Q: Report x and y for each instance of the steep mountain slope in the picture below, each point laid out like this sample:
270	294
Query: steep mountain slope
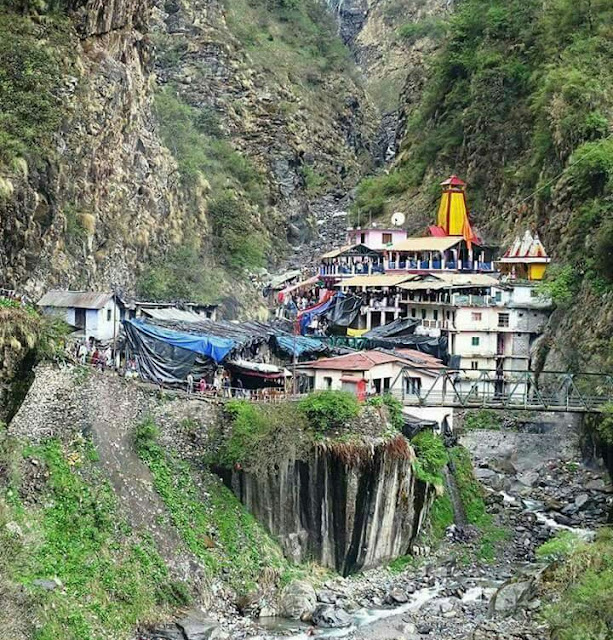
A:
518	101
111	177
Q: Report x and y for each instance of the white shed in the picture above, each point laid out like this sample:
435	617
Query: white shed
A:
95	314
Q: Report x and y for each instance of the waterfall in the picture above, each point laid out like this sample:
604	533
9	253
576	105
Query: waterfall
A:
459	517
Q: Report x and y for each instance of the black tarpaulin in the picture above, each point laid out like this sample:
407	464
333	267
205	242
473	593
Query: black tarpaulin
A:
164	363
343	310
399	327
436	347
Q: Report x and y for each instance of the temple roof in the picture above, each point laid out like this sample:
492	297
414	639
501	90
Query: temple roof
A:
453	181
526	248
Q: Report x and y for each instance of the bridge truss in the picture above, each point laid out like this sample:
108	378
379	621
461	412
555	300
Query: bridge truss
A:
507	389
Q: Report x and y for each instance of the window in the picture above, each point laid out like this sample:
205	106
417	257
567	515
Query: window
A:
435	314
475	341
498	296
474	365
423	314
362	238
412	386
503	319
476	316
387	238
533	293
413	312
328	383
108	315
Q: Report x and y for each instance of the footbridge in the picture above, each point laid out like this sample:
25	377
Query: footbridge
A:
506	389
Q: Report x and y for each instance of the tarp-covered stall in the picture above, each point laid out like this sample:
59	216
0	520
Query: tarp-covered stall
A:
167	356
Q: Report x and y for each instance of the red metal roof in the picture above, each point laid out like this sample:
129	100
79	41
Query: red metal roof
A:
453	181
366	360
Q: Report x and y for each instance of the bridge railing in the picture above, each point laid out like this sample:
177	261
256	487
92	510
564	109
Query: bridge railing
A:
506	388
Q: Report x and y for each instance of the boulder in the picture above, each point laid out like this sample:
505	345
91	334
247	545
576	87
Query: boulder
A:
197	629
396	596
298	600
329	617
511	597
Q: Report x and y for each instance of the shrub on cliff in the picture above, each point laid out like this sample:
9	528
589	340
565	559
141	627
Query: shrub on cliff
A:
431	457
260	435
327	410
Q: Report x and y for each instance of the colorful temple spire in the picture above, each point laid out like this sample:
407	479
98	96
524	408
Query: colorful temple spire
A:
526	257
453	219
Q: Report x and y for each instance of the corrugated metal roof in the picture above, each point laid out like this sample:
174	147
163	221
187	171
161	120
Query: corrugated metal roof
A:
173	314
449	280
381	280
428	243
277	281
75	299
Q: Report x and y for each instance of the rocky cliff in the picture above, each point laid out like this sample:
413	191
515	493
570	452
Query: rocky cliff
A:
345	507
168	125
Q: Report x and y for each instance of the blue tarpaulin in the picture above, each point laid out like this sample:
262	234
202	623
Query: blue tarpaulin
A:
299	344
212	347
308	314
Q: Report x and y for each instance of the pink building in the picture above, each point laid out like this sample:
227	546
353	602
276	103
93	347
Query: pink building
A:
376	239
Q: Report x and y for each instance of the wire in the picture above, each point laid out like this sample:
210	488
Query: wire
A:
552	180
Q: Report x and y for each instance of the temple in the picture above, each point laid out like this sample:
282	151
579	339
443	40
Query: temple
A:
452	244
526	259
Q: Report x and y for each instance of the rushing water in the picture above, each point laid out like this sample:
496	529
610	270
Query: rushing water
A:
360	617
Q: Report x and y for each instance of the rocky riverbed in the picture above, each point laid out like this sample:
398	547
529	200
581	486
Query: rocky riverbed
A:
536	483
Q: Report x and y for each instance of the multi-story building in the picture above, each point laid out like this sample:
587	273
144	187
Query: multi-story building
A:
490	311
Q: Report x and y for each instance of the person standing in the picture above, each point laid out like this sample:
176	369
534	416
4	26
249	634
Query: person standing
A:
190	383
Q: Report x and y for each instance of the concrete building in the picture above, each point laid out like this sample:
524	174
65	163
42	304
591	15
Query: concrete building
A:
375	238
96	315
404	374
349	261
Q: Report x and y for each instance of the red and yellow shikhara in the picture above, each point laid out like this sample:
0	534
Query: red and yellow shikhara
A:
452	219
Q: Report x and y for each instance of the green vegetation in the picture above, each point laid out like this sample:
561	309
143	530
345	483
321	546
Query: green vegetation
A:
520	92
107	577
441	516
326	410
584	578
181	276
604	424
208	163
217	528
482	419
427	28
559	547
431	457
260	435
561	284
398	565
471	495
394	408
30	76
295	42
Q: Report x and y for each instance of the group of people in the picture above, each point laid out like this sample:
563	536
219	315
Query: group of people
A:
220	385
88	352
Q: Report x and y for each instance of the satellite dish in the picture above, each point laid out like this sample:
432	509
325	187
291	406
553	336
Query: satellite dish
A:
398	219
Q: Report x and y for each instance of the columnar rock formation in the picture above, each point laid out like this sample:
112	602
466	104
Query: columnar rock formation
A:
346	508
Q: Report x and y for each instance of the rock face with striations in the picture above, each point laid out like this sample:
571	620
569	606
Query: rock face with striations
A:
346	513
107	196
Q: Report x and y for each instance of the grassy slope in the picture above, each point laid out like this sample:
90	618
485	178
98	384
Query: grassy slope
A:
65	527
579	586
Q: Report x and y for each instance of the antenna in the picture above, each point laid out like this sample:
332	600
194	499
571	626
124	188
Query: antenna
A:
398	219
